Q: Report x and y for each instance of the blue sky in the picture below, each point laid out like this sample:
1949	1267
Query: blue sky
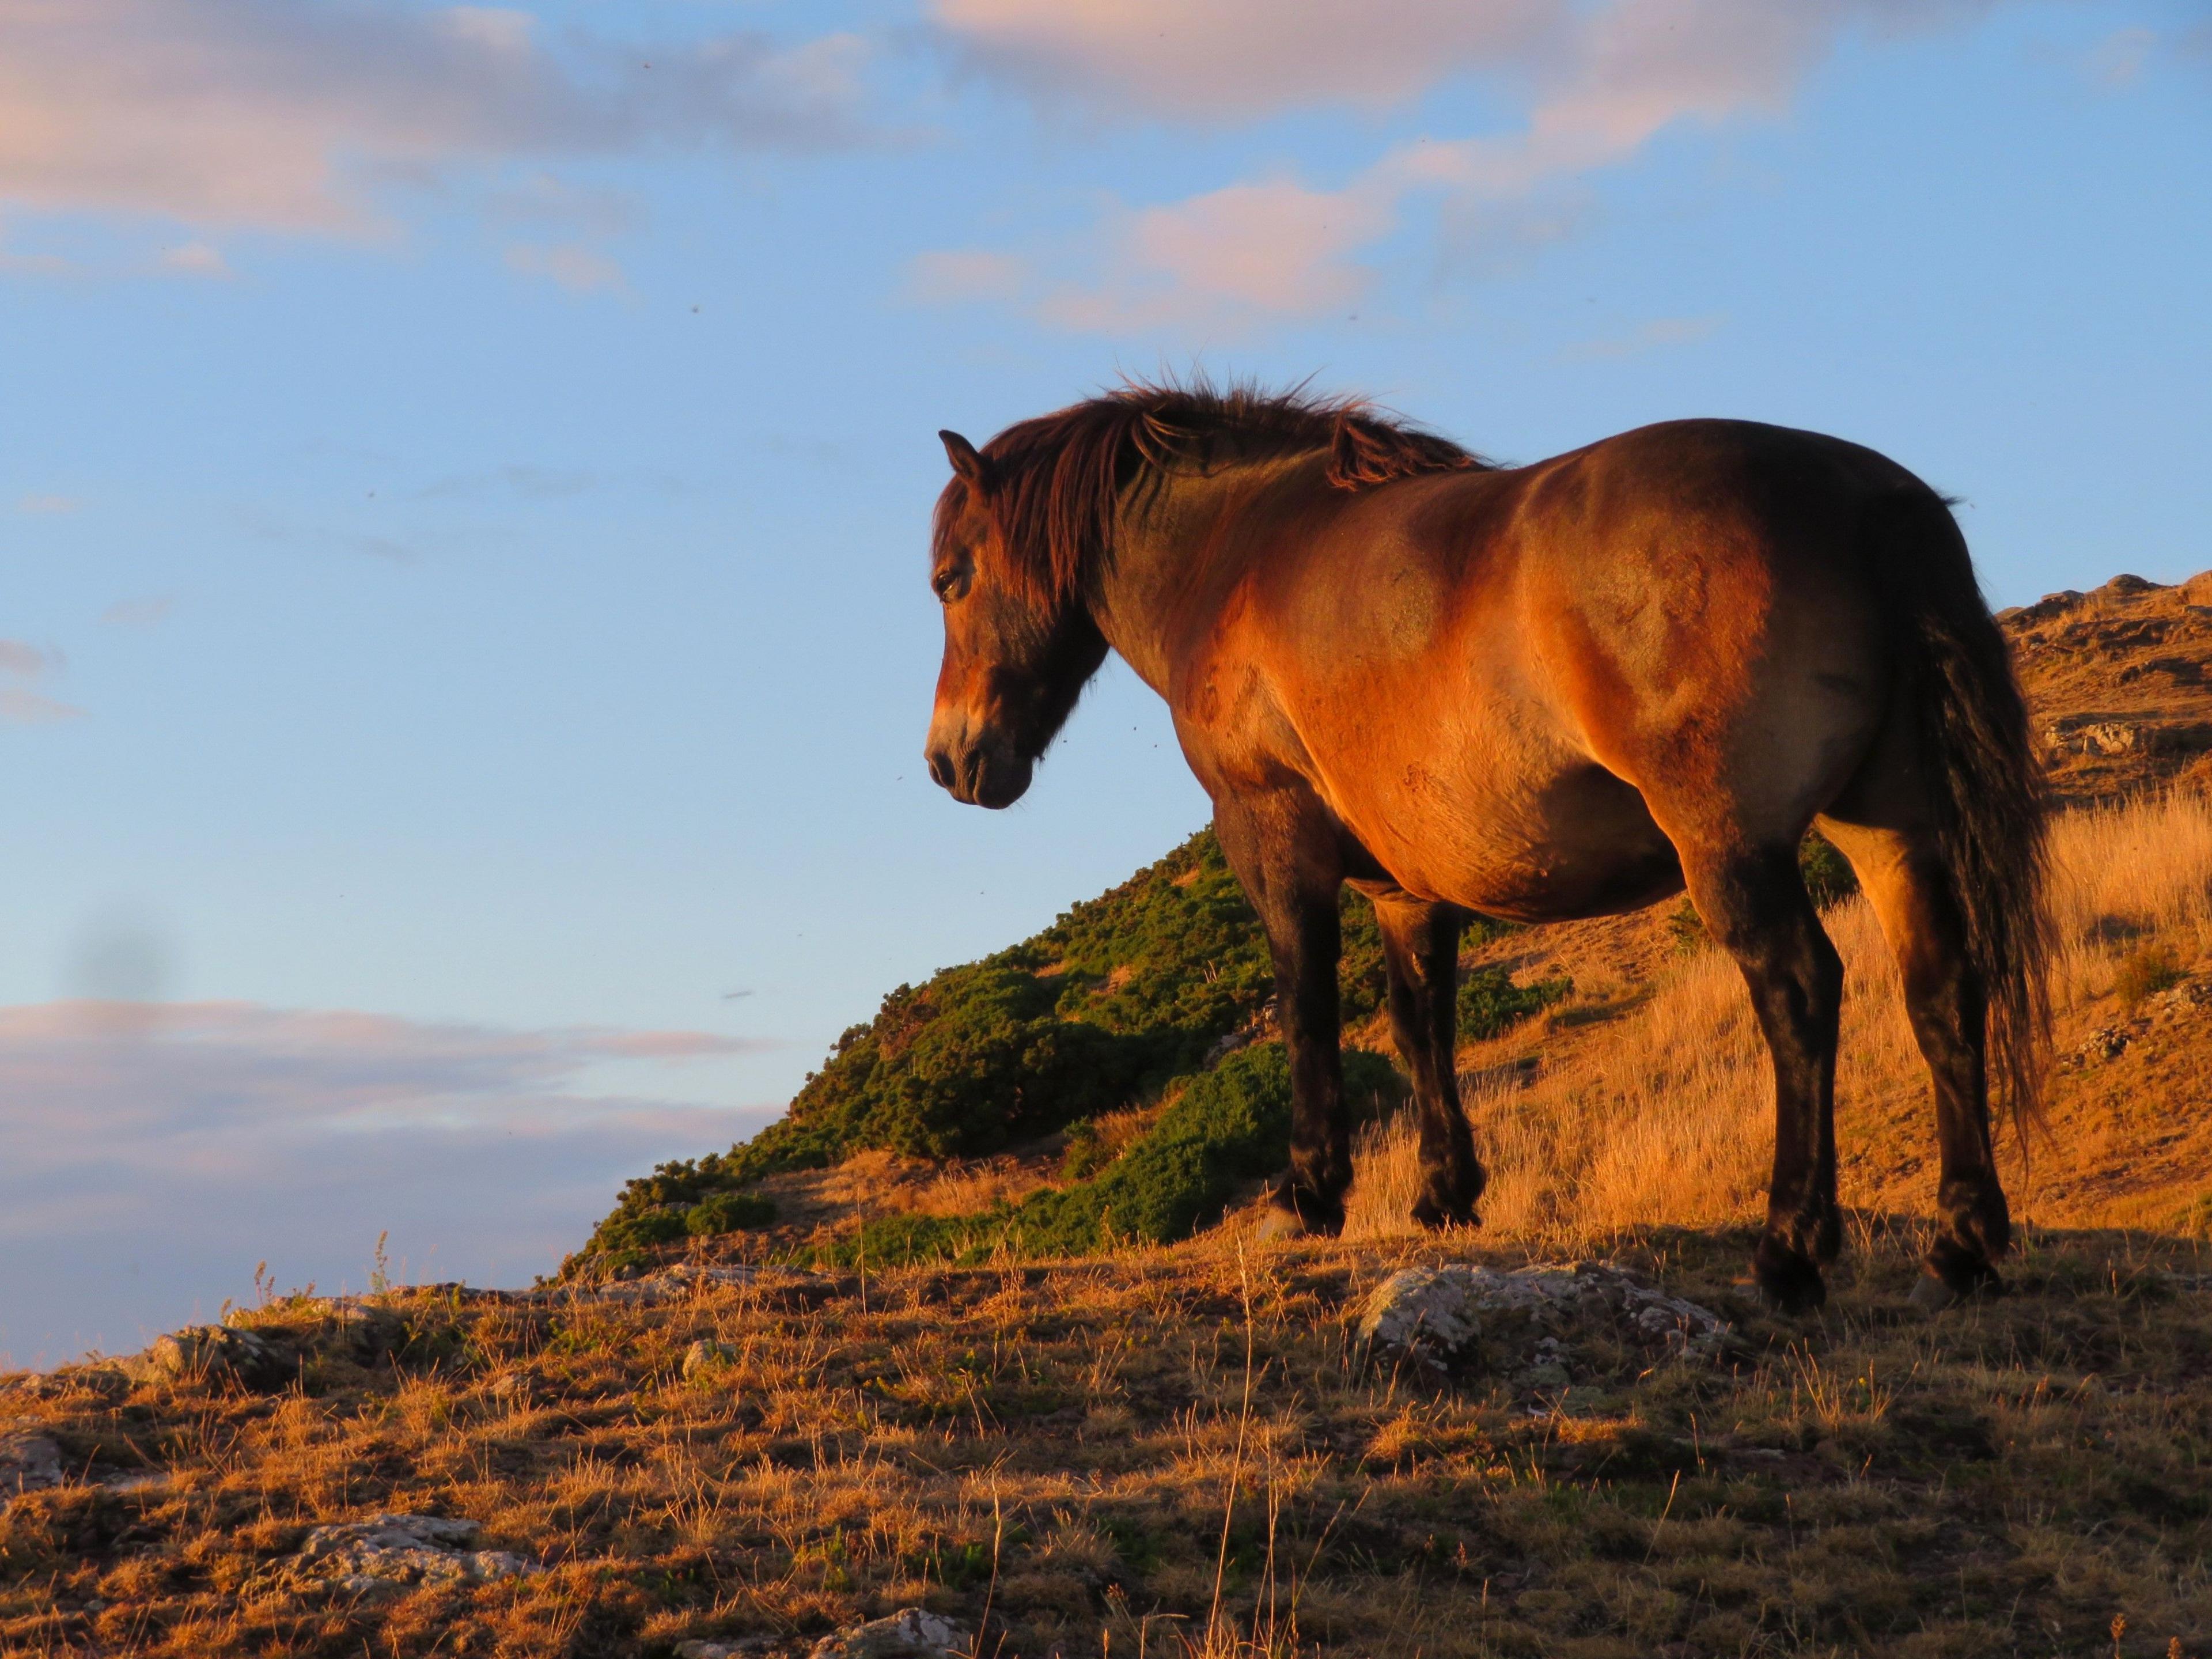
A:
465	473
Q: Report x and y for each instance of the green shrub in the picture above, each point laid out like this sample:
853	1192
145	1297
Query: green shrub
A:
1097	1012
1227	1126
2144	973
1491	1004
728	1213
1829	877
1086	1151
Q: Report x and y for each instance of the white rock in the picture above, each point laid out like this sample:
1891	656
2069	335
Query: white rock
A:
685	1279
391	1554
205	1352
912	1633
30	1460
1434	1317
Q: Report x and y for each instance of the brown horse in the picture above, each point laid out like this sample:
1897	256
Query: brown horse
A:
1539	692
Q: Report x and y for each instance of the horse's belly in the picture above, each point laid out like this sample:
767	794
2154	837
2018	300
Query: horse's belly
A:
1544	844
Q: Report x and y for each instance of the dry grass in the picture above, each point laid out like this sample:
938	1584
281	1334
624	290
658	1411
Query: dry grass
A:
1175	1453
1664	1114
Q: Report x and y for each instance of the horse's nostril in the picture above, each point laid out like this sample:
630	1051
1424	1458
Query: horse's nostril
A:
940	768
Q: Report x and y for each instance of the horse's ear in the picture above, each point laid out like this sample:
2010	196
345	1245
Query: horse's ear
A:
966	460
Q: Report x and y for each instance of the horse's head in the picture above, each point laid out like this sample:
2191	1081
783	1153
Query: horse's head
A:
1017	647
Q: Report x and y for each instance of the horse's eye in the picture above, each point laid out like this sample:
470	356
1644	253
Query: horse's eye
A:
946	584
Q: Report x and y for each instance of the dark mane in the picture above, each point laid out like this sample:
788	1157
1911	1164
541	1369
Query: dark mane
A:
1057	481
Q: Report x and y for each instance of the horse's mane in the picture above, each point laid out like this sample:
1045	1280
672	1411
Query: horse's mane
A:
1057	481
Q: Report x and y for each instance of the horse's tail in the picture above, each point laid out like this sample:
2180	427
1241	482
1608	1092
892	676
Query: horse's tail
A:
1985	780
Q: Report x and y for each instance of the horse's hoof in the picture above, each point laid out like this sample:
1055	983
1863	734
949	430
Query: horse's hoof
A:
1436	1217
1955	1274
1788	1278
1932	1296
1298	1211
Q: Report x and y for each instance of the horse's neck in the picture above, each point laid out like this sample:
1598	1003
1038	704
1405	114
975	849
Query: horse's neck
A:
1144	597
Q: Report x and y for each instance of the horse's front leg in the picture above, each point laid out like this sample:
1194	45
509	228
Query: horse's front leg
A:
1287	853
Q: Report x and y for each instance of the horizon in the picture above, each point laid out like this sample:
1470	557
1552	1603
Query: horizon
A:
467	472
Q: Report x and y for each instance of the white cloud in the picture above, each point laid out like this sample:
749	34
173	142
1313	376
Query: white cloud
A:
151	1154
1268	250
278	115
30	661
1598	84
2119	59
1231	59
29	664
22	706
195	259
1653	336
571	265
140	613
954	275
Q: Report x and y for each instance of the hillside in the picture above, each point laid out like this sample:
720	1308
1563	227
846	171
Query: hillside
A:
1001	1370
995	1078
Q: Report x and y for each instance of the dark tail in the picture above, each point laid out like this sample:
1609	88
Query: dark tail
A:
1985	781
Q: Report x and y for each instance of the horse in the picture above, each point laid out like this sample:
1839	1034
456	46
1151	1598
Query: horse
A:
1542	692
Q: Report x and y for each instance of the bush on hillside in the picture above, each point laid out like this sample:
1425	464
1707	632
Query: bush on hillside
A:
1095	1013
1491	1004
1227	1126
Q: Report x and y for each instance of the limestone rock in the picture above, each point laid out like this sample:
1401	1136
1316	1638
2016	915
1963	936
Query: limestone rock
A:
223	1352
103	1379
1441	1320
364	1331
390	1554
30	1460
913	1633
1426	1314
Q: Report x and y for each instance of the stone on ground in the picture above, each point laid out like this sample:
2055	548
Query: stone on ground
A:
389	1554
1530	1323
913	1633
29	1460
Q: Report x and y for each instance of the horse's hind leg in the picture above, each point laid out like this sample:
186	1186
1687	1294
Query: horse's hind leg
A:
1905	881
1753	902
1420	952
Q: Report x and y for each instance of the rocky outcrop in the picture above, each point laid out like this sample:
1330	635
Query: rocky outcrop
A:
391	1554
915	1633
1536	1327
30	1460
220	1353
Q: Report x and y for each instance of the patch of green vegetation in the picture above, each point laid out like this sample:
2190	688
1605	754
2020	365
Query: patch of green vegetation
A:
728	1213
1227	1126
1491	1004
1098	1012
2144	973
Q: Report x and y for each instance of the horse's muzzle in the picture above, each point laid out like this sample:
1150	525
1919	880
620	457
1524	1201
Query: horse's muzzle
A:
981	775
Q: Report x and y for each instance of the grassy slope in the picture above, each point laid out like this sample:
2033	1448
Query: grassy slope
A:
1123	996
1106	1455
1068	1446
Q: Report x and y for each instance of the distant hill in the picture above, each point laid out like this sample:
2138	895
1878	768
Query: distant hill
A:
1048	1059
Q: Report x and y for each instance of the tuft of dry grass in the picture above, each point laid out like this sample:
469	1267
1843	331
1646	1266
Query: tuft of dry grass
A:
1178	1452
